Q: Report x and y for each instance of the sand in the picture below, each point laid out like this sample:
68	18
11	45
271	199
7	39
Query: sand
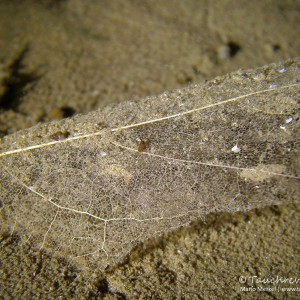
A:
59	58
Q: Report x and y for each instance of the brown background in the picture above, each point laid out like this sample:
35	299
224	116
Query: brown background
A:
59	58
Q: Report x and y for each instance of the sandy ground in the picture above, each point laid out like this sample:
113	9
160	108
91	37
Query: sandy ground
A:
59	58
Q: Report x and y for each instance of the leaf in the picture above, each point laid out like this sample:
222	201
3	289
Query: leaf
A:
91	187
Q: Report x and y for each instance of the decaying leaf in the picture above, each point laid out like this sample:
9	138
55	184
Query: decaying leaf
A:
229	144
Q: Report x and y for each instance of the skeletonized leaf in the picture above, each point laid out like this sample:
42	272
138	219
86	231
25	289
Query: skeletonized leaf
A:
93	186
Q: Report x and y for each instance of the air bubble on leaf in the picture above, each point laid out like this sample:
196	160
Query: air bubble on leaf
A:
283	127
282	70
77	134
236	149
103	154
